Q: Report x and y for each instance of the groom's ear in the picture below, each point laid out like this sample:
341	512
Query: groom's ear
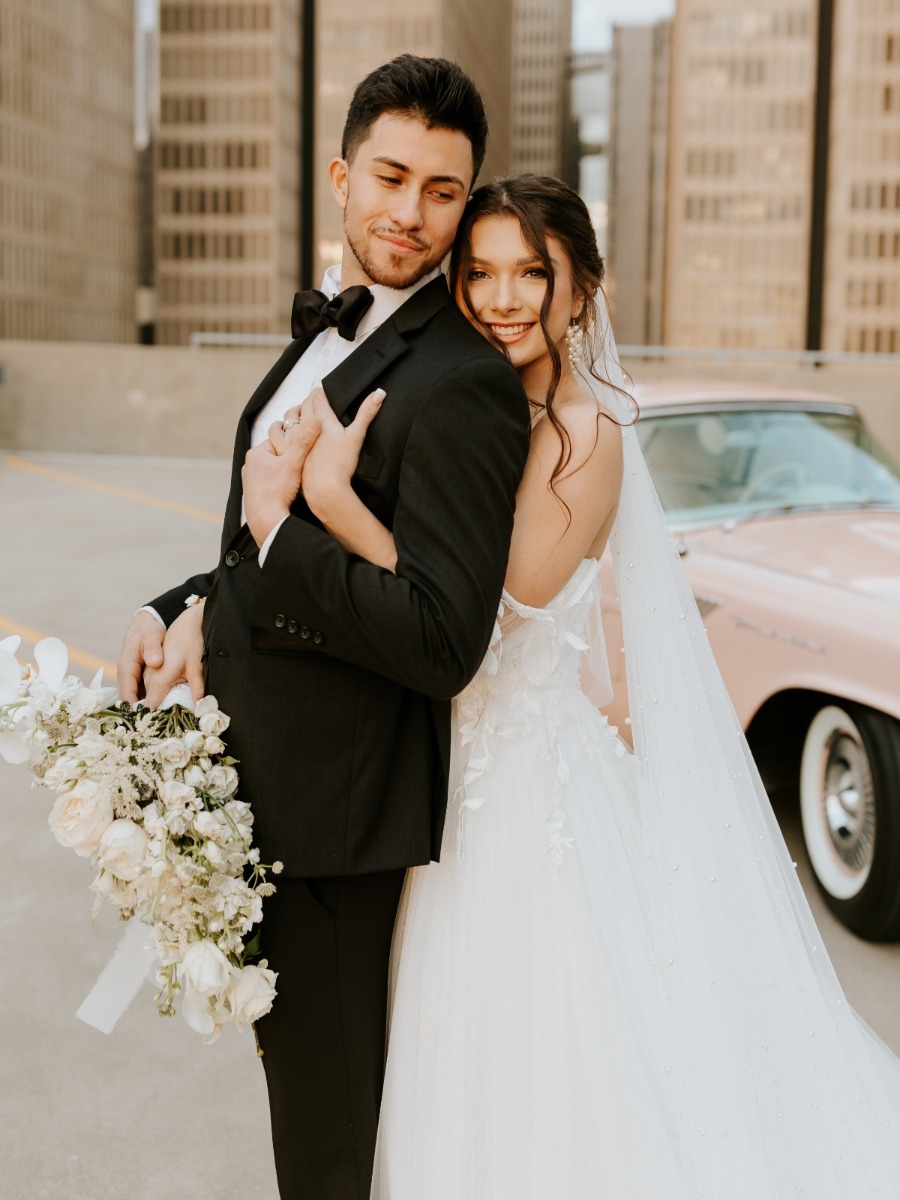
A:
339	175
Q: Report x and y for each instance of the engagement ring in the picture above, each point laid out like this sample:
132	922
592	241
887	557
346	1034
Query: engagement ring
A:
286	425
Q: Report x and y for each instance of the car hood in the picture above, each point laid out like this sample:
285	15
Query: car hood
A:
852	550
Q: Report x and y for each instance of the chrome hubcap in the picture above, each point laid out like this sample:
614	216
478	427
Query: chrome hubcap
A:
848	800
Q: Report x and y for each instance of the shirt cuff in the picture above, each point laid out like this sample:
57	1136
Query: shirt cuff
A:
264	548
153	613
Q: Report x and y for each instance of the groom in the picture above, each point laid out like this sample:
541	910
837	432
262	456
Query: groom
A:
338	674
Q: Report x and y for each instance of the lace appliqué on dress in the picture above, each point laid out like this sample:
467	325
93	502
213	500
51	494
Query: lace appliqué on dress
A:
529	684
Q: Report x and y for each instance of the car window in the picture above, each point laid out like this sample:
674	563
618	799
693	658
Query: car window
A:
712	466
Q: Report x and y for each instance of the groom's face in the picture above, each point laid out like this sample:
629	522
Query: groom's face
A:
403	194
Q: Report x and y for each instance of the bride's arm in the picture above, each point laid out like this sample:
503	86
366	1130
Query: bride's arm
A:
554	529
557	526
327	472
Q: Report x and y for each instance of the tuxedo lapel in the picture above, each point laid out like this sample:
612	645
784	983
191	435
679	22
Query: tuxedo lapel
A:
356	373
264	392
352	378
276	377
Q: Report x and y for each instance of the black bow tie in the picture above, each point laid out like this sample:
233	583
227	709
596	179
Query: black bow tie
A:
313	312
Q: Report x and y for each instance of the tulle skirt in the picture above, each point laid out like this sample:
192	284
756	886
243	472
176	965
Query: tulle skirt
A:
528	1054
522	1059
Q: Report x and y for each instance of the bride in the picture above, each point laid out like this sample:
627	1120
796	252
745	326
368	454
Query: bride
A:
611	984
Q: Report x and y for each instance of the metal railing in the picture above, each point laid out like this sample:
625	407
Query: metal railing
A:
199	339
808	358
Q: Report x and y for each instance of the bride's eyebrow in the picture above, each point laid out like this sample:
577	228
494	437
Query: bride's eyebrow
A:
522	262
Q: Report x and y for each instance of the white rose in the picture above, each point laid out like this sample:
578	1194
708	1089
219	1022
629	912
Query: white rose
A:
214	745
207	704
173	753
214	723
174	794
251	994
64	772
204	969
222	780
195	776
194	741
80	817
208	825
123	849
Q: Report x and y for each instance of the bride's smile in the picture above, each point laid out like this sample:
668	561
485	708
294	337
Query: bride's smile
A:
507	285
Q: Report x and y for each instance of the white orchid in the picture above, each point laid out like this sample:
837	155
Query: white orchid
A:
149	799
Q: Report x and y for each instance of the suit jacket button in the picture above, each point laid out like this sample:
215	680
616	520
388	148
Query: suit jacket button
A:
232	558
279	621
292	626
318	639
304	632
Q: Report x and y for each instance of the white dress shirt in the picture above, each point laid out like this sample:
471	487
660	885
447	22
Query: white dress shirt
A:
327	351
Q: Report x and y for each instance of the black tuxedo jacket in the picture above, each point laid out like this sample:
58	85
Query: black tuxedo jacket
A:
336	673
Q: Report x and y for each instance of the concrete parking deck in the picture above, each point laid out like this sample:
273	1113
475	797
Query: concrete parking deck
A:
149	1112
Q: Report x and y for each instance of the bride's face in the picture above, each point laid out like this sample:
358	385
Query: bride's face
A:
507	284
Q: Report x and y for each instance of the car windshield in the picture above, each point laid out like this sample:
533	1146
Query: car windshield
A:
730	465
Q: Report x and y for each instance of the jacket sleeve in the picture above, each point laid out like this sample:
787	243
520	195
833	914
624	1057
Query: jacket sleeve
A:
171	604
427	626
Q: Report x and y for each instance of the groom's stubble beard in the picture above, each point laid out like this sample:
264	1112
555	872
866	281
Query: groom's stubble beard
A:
403	275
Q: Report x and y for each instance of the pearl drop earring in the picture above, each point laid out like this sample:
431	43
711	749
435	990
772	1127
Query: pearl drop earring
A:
574	344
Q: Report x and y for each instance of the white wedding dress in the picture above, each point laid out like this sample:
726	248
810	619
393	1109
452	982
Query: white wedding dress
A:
539	1047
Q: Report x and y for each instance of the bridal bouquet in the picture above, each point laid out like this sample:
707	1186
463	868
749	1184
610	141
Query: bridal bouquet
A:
149	798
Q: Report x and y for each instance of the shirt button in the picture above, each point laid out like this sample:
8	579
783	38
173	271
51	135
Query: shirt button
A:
279	621
318	639
292	627
304	632
232	558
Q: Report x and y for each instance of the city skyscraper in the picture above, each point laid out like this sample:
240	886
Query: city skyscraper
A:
638	165
541	45
784	179
589	135
740	173
68	171
227	166
861	301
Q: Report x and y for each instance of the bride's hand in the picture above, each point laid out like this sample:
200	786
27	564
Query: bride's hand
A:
333	459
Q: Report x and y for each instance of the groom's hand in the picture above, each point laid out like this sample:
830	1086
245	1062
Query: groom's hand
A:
271	480
332	459
182	658
141	647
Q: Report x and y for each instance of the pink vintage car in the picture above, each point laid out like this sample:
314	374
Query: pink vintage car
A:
787	515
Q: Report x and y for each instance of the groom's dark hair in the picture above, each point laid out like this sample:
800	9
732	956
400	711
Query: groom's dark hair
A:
435	91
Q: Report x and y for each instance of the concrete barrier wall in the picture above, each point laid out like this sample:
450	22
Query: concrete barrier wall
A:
153	400
174	401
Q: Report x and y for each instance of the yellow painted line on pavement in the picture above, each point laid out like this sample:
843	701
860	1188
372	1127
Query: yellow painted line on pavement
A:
81	658
109	489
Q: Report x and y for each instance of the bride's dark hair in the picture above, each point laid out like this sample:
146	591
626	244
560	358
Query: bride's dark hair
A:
544	207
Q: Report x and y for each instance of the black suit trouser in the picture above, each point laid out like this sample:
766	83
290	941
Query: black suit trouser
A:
323	1042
